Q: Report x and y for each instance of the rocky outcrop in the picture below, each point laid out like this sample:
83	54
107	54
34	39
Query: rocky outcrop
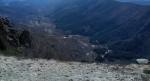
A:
12	39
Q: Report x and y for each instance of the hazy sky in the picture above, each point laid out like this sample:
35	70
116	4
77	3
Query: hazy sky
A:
54	1
135	0
142	2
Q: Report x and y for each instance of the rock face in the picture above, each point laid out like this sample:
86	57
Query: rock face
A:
2	33
6	37
12	39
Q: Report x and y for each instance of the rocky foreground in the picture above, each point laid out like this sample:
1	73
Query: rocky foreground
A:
13	69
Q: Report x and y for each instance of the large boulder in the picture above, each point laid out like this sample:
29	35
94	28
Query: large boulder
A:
142	61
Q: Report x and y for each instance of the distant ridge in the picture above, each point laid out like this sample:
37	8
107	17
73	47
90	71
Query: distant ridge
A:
123	27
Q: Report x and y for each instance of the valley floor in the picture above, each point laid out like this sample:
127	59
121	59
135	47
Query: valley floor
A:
12	69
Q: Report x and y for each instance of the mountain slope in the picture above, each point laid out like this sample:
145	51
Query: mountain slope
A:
102	20
110	22
123	27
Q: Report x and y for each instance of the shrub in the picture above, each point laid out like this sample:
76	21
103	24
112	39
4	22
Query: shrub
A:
146	71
